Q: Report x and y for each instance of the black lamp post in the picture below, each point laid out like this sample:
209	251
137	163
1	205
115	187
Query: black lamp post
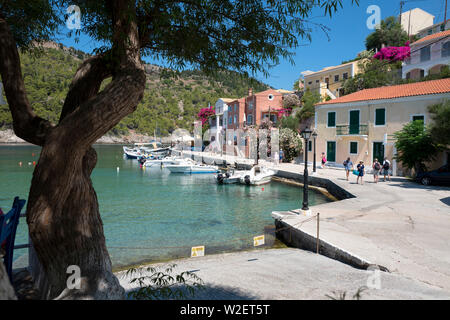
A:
306	134
314	162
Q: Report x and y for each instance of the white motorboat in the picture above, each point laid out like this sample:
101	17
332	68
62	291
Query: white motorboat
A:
257	176
230	177
190	166
161	162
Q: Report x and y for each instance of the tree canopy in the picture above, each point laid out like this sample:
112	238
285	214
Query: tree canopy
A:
389	33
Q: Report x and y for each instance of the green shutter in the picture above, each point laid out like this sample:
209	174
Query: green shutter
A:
331	119
380	117
353	147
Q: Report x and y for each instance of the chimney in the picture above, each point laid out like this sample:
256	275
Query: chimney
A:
250	91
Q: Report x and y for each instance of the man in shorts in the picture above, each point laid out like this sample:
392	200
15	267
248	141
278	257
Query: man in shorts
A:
386	168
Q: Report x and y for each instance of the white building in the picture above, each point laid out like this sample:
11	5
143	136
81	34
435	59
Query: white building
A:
416	20
220	122
428	56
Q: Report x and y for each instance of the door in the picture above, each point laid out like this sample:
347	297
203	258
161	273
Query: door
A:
378	151
331	151
354	122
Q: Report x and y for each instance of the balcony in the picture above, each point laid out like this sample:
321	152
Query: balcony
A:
357	130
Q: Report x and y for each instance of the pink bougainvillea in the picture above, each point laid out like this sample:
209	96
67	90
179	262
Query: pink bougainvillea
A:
205	113
394	53
284	112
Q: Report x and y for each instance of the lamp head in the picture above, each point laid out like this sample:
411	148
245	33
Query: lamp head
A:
306	134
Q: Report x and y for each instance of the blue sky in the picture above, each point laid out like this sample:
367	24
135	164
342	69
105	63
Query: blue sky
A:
345	39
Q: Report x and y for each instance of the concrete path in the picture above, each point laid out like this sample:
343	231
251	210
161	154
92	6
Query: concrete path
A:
289	274
400	224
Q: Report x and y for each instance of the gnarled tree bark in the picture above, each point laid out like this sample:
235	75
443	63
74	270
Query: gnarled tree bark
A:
62	209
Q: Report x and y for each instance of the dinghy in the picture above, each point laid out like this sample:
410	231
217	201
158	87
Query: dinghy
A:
257	176
230	177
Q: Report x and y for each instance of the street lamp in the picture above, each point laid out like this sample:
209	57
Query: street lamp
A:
314	162
306	134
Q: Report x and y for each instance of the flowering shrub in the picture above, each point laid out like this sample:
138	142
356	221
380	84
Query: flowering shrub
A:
284	112
290	143
205	113
394	53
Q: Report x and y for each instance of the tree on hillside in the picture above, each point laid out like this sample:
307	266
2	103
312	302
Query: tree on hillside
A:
415	146
62	209
390	33
374	73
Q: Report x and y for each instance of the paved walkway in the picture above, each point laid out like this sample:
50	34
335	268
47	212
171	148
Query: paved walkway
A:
290	274
400	224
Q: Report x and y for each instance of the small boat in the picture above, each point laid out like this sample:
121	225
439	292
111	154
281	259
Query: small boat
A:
161	161
230	177
190	166
152	148
257	176
132	153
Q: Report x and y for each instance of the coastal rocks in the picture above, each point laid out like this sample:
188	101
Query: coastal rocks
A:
8	136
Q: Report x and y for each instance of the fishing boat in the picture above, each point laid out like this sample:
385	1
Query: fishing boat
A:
132	153
230	177
150	149
257	176
190	166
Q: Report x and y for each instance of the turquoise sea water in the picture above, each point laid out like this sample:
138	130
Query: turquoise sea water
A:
155	215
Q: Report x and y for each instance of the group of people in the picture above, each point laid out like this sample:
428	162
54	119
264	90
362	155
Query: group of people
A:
360	169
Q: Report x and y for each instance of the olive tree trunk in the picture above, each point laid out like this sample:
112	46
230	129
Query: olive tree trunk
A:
62	209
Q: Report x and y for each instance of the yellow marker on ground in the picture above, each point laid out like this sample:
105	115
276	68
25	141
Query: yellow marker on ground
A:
258	241
198	251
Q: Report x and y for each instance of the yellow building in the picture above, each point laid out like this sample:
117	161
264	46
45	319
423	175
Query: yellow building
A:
361	125
329	81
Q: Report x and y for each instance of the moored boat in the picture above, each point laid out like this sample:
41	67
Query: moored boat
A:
230	177
257	176
190	166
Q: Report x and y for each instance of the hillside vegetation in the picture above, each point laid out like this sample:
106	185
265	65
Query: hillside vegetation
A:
170	101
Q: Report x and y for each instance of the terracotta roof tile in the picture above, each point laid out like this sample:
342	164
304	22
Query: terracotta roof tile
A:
433	36
398	91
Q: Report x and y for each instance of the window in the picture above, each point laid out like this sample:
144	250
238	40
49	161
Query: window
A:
430	31
336	78
310	82
235	107
250	119
425	54
309	145
317	81
230	120
345	76
442	27
446	49
270	97
408	75
235	119
380	117
273	118
418	117
331	122
353	147
250	105
422	73
230	108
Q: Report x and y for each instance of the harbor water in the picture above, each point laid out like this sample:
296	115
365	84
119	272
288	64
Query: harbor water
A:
153	215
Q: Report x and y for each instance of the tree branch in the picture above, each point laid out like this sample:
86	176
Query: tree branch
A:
27	125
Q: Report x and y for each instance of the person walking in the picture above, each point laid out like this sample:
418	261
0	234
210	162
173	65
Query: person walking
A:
376	170
360	168
348	165
324	160
386	168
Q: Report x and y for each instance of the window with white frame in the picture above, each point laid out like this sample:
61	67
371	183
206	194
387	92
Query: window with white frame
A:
425	54
250	119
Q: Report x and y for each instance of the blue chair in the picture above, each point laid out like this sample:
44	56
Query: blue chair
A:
8	227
